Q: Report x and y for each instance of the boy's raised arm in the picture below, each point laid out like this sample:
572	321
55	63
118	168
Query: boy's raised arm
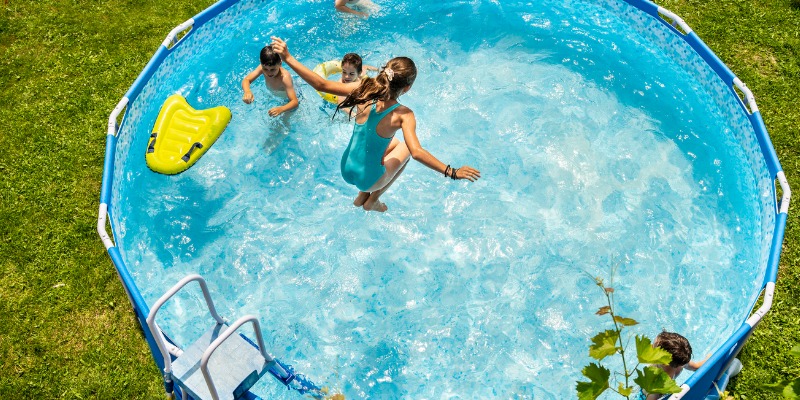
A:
317	82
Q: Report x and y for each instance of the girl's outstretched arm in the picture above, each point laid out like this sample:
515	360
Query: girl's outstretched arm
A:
409	126
316	81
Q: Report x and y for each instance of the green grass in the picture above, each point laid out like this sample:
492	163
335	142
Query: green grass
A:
760	42
66	328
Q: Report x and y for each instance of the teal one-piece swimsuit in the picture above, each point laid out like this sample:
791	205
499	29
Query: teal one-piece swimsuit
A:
362	160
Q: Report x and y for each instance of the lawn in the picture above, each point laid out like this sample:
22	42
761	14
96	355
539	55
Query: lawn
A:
66	328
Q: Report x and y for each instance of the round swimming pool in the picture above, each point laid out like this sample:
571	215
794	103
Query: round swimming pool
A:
599	149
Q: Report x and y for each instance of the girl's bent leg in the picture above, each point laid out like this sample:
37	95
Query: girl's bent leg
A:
373	203
395	162
360	199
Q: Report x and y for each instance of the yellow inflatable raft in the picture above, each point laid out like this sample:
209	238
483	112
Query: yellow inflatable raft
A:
181	135
325	70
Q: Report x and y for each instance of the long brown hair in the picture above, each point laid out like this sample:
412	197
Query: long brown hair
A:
395	76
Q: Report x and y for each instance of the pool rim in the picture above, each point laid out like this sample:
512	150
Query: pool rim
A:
696	387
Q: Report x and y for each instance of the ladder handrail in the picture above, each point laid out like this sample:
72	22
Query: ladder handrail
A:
218	341
151	318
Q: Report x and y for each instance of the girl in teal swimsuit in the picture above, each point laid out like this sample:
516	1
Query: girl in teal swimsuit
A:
375	158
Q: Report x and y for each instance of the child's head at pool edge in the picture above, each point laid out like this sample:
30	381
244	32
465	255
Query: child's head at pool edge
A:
676	345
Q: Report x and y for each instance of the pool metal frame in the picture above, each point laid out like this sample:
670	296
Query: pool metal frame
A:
701	383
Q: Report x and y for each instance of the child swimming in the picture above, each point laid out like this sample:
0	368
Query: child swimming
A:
374	158
353	70
277	79
342	6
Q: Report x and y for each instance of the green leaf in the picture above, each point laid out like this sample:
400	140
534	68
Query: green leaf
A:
598	382
651	355
795	351
604	344
625	391
655	380
776	387
792	390
625	321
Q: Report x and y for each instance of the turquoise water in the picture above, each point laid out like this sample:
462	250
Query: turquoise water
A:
596	152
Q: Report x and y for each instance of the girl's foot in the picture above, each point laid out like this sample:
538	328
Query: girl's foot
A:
375	205
361	199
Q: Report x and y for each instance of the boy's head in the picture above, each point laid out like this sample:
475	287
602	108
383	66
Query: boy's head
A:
270	61
676	345
351	67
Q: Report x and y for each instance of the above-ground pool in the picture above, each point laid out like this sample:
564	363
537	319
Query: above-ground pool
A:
605	142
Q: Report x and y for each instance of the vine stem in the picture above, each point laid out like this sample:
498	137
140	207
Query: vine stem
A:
619	338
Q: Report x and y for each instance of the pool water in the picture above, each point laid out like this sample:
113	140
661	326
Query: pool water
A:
596	151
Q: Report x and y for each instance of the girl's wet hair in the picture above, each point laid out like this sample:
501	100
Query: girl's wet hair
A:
269	57
354	60
395	76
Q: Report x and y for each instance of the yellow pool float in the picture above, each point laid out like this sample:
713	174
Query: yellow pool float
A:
325	70
181	135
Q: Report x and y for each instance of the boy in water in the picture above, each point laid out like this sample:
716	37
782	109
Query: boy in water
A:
278	81
681	351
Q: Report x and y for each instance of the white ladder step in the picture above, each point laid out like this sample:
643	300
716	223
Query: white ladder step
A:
235	366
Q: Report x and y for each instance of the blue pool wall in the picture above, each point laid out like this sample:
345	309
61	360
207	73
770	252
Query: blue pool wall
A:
748	129
688	50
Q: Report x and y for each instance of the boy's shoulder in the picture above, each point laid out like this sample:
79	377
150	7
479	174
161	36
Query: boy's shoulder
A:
285	75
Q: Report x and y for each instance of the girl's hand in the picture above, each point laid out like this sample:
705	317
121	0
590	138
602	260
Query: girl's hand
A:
275	111
279	46
467	172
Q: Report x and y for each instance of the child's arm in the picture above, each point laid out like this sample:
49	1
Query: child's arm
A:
340	6
409	126
695	365
367	68
317	82
248	95
293	103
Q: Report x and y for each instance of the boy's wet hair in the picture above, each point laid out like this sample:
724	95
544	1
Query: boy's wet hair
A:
386	86
269	57
354	60
676	345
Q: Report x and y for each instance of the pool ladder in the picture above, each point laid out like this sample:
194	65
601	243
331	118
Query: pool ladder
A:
238	365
